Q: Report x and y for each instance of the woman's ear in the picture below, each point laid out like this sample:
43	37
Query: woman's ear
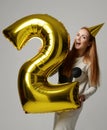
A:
89	44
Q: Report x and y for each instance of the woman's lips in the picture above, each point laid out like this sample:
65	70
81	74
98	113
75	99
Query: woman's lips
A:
77	44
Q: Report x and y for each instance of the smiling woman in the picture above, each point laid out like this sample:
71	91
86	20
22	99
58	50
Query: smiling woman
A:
82	41
84	56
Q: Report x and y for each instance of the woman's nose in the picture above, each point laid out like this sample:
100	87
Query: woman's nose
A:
79	37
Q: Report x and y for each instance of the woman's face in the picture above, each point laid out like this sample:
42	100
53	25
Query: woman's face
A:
82	40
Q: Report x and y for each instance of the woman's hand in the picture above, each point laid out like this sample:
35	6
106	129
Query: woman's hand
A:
81	98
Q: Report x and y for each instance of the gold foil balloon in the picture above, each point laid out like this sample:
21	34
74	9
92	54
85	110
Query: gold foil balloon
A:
37	94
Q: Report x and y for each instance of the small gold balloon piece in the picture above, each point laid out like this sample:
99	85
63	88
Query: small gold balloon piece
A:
37	94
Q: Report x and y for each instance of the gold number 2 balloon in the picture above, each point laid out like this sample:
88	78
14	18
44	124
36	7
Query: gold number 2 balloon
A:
37	94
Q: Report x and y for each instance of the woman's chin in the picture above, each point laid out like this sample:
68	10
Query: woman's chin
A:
77	47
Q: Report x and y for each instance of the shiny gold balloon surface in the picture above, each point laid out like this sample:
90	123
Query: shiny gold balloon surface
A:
36	93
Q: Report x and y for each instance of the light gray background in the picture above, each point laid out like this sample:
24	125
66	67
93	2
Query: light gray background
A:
74	14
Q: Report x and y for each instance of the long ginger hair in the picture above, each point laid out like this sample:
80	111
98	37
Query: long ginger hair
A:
90	56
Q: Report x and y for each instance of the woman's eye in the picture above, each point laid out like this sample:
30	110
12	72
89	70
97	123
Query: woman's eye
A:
77	34
84	37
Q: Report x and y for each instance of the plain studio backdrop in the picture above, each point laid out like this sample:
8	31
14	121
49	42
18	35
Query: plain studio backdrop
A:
73	14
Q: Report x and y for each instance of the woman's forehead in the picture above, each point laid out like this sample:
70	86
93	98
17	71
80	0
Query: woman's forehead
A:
83	32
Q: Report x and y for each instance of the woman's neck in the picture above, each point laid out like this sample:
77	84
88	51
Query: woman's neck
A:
80	53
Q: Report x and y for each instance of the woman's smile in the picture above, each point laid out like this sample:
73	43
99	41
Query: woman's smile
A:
77	45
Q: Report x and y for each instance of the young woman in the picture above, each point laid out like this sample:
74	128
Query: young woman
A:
83	55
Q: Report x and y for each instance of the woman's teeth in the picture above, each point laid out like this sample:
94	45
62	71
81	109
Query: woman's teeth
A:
78	43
